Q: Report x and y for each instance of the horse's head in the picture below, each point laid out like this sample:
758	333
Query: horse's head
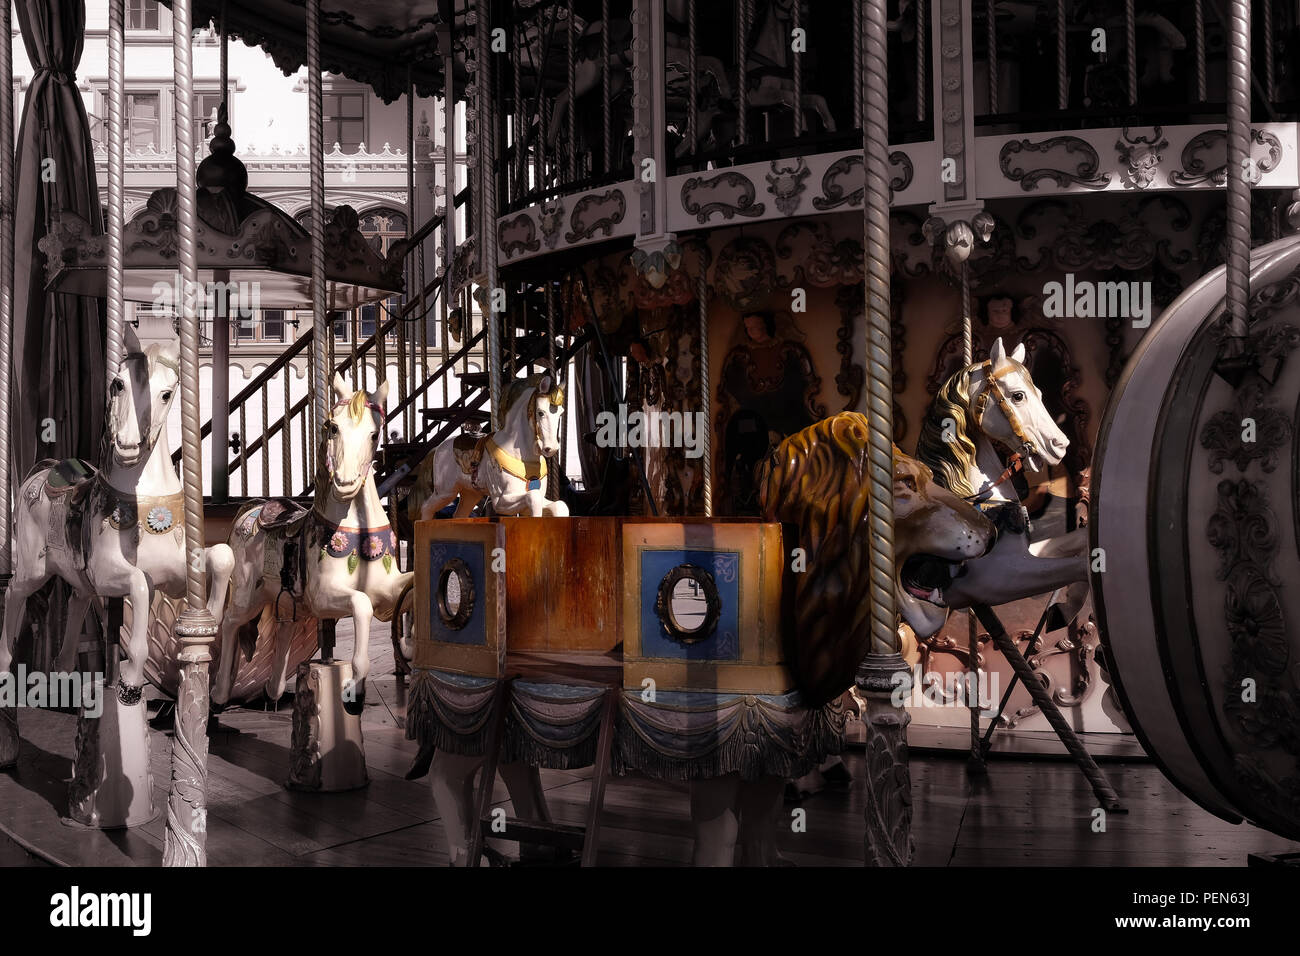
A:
1008	407
351	438
545	402
140	396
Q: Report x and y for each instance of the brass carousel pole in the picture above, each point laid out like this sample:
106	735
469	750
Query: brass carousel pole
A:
321	361
1237	263
888	797
975	762
8	715
186	835
488	202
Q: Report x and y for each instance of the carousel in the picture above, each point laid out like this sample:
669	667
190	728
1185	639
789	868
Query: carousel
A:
844	396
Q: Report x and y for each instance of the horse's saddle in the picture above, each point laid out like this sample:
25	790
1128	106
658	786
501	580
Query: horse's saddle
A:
68	485
468	452
284	557
1009	517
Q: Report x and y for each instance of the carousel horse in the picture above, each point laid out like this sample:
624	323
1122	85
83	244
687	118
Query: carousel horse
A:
770	68
507	465
337	559
997	401
116	532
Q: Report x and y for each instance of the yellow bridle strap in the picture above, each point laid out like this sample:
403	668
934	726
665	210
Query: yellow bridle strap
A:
527	470
995	389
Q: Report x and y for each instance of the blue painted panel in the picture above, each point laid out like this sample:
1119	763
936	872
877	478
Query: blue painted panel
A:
472	553
724	643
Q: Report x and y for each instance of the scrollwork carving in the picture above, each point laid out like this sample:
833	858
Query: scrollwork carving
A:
1084	172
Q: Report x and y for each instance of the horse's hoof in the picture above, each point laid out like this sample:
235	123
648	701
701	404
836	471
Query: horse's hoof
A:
355	703
129	694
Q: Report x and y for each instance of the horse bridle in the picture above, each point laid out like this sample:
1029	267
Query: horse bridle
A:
329	455
1027	444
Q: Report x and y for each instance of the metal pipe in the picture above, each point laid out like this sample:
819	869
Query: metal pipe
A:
449	194
7	251
1130	50
1062	74
573	97
796	16
116	209
286	438
692	80
184	842
991	35
1238	186
321	325
606	118
880	375
486	239
1270	78
922	74
706	406
414	253
266	442
243	451
1198	10
857	61
745	17
517	59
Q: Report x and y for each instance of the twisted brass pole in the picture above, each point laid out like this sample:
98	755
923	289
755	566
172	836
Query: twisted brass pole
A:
184	843
880	375
487	232
887	803
116	211
702	292
1238	199
8	715
316	176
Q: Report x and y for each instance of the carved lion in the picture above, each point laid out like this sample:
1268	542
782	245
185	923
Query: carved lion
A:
817	480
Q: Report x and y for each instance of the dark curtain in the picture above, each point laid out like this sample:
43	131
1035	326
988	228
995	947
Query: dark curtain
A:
593	393
58	340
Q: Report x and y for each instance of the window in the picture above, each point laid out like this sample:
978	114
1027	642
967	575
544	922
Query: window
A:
342	326
243	327
345	119
273	325
142	120
142	15
205	116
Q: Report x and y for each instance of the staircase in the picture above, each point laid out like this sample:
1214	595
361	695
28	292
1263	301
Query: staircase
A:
437	391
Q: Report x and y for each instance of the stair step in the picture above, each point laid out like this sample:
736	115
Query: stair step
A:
473	379
443	414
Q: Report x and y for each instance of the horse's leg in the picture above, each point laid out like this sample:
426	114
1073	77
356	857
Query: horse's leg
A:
1010	572
817	103
757	805
452	780
713	817
20	588
220	562
556	509
78	604
432	505
278	682
363	612
131	673
467	503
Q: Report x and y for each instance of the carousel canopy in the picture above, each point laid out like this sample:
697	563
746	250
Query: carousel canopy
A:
372	42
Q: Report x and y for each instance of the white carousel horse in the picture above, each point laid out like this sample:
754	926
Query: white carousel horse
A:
771	65
508	465
983	403
119	532
346	546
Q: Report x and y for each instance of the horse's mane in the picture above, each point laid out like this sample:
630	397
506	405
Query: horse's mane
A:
520	387
951	460
817	479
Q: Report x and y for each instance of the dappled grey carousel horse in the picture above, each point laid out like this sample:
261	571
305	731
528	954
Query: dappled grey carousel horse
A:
119	532
338	559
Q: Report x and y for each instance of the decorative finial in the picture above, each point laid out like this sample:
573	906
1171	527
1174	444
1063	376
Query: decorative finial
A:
221	170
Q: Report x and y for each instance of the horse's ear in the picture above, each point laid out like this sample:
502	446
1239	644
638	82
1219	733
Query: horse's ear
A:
1019	353
170	350
544	384
998	354
131	340
341	391
381	394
